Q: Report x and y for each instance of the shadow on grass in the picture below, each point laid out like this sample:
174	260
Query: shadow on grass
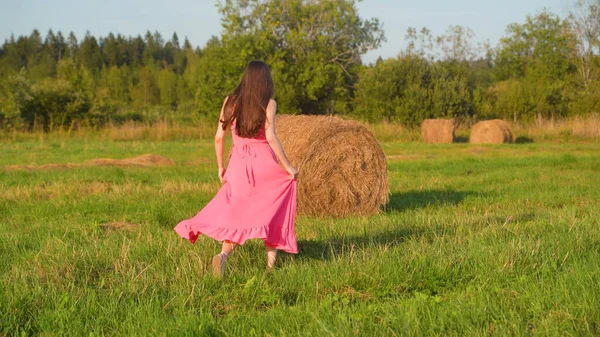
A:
523	140
461	139
336	246
341	246
419	199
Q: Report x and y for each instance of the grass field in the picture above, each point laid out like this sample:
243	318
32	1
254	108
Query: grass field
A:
477	240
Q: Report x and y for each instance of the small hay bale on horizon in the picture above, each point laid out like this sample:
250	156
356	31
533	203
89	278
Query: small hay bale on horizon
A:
343	170
438	131
495	131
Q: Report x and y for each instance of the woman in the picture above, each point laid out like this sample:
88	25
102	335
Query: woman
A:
258	197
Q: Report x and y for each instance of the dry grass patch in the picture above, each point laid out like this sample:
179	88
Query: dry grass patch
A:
141	161
476	150
115	226
200	162
409	157
174	187
83	189
588	127
33	167
158	131
54	190
386	131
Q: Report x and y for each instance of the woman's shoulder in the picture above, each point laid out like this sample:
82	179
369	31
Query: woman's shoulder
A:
225	100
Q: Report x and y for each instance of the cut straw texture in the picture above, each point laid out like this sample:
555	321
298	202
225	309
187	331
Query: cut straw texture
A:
142	161
438	131
495	131
343	170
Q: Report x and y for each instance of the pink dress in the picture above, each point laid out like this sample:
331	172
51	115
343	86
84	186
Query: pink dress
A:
257	201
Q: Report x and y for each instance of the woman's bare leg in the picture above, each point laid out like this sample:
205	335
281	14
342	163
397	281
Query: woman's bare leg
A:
271	256
219	261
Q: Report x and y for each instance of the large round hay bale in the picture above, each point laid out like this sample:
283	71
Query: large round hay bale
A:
342	168
495	131
437	131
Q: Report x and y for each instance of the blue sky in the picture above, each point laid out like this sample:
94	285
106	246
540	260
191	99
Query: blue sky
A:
199	19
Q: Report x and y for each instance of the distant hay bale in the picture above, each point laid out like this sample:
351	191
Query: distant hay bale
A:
343	169
438	131
495	131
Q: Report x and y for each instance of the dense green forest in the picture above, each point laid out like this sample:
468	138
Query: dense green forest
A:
544	67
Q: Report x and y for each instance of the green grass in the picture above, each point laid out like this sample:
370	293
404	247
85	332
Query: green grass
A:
477	240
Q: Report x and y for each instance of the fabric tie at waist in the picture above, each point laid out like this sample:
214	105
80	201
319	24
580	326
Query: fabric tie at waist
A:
246	152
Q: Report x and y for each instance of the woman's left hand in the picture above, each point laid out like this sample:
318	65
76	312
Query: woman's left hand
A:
292	172
222	175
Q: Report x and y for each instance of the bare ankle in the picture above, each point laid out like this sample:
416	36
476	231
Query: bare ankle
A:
271	258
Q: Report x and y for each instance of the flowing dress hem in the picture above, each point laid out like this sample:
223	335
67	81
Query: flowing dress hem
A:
238	236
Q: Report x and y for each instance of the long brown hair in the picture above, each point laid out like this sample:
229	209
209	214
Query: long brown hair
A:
247	105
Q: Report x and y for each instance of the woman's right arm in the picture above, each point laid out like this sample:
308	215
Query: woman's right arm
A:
220	144
274	141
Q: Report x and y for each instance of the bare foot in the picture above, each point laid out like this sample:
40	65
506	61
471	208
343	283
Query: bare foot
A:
219	262
271	258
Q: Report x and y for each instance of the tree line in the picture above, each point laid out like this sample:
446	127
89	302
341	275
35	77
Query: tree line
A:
543	67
